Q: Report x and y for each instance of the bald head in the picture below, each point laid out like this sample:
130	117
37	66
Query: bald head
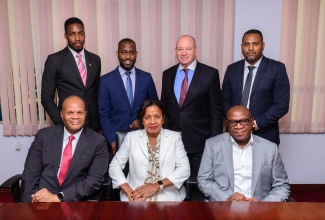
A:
238	109
73	99
186	50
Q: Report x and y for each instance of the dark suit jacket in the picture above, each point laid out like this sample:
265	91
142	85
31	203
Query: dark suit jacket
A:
201	114
86	171
115	111
270	95
61	74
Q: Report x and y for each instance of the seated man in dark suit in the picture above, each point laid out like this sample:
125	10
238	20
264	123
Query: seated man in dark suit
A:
65	162
240	166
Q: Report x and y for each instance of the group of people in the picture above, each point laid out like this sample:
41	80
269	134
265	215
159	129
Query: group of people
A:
172	138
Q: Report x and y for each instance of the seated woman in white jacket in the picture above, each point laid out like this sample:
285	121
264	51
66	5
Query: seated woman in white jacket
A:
158	163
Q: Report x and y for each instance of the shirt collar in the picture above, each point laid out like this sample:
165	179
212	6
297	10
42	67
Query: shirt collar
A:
192	66
256	64
66	134
250	142
122	71
74	53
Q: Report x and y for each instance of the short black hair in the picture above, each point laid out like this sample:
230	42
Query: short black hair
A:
148	103
253	31
72	20
126	40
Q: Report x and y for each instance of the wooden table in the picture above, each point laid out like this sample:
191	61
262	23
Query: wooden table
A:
163	210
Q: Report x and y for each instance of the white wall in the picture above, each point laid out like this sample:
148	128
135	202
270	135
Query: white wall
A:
303	154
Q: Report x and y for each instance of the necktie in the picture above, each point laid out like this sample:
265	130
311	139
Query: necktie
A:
82	69
247	88
183	88
129	90
66	159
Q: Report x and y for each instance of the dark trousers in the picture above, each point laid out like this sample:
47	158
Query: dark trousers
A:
195	161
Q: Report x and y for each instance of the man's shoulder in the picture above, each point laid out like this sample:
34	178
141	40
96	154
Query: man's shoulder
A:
92	54
218	140
50	130
171	69
205	67
237	63
264	143
93	134
109	74
142	73
272	62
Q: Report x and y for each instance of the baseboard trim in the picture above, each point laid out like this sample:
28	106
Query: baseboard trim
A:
296	188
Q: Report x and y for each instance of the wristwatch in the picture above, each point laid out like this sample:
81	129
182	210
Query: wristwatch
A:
61	197
161	185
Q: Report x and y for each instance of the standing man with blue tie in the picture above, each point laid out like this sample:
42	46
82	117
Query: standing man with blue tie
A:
72	71
260	84
192	96
121	93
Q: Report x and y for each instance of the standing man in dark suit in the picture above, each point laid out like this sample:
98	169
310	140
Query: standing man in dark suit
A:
66	162
121	93
265	90
192	96
72	71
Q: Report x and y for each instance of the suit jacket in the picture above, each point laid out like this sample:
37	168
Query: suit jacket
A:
216	175
173	163
200	116
61	74
115	111
270	95
86	171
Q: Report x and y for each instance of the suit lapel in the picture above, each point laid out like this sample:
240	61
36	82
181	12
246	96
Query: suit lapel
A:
170	87
259	74
138	82
257	162
90	73
164	145
120	84
240	79
142	143
81	146
57	142
228	159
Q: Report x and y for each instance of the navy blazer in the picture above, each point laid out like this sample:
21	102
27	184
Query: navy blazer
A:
270	95
86	171
61	74
115	111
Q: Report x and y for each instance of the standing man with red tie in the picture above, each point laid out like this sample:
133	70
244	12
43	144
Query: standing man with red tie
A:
72	71
192	96
66	162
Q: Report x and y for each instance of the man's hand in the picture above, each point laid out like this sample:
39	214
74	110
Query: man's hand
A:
237	197
253	199
143	192
113	146
134	125
44	195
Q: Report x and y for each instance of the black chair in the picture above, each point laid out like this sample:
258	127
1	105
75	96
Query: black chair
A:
13	183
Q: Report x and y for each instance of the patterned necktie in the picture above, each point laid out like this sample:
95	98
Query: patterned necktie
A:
247	88
129	90
82	69
66	159
183	88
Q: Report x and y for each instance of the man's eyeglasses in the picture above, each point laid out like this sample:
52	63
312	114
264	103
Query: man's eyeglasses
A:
243	122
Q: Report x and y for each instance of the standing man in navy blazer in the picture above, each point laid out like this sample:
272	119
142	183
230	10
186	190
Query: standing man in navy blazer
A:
198	112
269	92
66	162
121	93
62	75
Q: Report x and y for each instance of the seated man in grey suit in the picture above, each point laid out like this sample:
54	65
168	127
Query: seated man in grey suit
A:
66	162
240	166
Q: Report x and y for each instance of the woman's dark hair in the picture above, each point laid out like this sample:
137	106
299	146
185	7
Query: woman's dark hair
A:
148	103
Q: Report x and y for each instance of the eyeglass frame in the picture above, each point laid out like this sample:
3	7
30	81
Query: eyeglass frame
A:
240	122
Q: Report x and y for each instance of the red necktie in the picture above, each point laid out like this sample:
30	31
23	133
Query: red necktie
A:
82	69
66	159
183	88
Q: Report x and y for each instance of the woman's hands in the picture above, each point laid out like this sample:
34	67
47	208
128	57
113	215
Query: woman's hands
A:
143	192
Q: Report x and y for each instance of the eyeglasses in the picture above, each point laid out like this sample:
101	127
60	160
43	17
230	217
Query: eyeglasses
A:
243	122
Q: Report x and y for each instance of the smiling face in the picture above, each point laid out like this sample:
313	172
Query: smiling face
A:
186	50
240	133
73	114
153	120
75	35
252	47
127	55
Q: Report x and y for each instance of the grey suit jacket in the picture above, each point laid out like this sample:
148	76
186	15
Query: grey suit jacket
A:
86	171
216	175
61	74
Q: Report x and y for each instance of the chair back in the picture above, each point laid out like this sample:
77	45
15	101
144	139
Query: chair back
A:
119	138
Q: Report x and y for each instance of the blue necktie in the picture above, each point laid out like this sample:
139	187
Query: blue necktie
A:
129	90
